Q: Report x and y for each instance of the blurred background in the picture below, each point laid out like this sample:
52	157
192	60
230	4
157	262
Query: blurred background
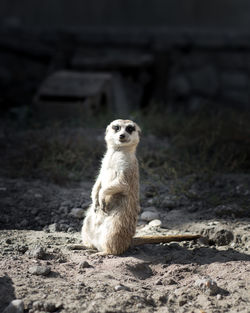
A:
178	68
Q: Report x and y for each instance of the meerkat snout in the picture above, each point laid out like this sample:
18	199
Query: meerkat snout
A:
122	137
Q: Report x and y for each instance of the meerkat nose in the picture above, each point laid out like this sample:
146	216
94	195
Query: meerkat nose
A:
122	136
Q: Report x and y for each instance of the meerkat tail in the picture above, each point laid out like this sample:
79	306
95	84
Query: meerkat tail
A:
137	241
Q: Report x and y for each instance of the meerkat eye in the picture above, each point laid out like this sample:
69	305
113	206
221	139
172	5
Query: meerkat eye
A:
130	129
116	128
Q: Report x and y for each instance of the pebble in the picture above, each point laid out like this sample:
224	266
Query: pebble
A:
84	264
77	213
54	227
222	236
155	223
149	216
38	253
15	306
208	286
39	270
122	287
47	306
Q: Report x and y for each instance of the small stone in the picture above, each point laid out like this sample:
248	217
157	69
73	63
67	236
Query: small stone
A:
22	248
155	223
84	264
54	227
121	287
208	286
39	270
37	305
77	213
222	237
38	253
219	296
16	306
8	241
38	195
149	216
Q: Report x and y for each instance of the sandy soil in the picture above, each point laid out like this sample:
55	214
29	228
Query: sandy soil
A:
38	225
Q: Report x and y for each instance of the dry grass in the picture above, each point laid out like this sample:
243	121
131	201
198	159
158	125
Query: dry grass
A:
203	143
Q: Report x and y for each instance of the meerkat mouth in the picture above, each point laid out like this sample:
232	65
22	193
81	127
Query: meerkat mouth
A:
123	140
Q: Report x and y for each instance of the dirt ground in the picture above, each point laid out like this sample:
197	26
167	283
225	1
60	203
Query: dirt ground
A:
40	220
211	275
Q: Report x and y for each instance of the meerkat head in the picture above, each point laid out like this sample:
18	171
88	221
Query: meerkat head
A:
122	133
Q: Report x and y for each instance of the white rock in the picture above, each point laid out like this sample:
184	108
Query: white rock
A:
155	223
77	213
15	306
149	216
121	287
207	285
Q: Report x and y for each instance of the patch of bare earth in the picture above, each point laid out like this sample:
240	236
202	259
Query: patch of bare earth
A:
37	266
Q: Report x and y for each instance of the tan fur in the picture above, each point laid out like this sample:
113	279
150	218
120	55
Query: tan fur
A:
111	220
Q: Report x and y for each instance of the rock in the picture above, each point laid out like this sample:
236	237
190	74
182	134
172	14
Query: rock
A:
77	213
54	227
121	287
22	248
16	306
47	306
84	264
149	216
219	296
39	270
155	223
208	286
38	253
222	236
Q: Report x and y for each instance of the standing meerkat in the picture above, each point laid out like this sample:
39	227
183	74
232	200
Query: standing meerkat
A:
110	222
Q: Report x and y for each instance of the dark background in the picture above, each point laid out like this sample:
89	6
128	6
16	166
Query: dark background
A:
216	15
177	53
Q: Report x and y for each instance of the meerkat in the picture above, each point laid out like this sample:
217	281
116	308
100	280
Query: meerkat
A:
110	222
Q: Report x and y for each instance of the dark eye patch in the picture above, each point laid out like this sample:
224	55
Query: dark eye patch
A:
130	129
116	127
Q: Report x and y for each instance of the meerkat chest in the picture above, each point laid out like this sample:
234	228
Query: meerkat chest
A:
114	165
